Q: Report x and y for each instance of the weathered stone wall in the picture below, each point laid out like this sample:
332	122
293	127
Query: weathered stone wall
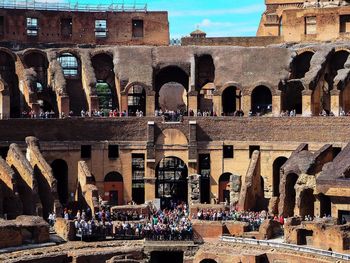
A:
119	25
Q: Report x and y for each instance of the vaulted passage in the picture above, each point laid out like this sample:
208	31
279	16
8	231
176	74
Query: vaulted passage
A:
71	66
105	77
307	202
171	183
261	100
60	172
171	86
231	100
301	65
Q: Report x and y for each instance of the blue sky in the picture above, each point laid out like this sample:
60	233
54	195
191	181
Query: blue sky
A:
215	17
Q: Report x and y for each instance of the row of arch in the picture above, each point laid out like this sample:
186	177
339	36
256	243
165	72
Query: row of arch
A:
171	175
168	78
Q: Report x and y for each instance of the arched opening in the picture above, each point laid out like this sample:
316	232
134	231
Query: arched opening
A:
8	74
307	202
173	97
171	183
71	66
204	171
208	261
60	172
291	180
173	93
224	191
261	100
292	97
231	100
114	188
39	63
136	100
105	86
301	65
276	168
205	76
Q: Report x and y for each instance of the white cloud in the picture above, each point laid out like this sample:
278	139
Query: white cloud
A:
258	8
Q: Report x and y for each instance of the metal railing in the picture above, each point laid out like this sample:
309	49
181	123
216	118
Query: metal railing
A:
274	244
62	6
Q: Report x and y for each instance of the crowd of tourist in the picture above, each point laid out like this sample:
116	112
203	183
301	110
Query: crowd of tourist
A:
254	219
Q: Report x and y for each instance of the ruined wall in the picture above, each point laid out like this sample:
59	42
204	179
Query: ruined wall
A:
26	181
252	193
232	41
89	191
119	26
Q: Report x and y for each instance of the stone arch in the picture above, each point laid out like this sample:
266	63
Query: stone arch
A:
172	137
60	172
301	64
261	100
276	170
171	181
71	66
224	191
103	66
231	98
171	75
292	97
114	188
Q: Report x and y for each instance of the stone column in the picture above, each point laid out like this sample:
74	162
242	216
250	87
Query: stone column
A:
335	102
217	105
193	101
246	104
276	105
4	106
194	192
150	181
94	103
63	105
150	105
124	101
307	103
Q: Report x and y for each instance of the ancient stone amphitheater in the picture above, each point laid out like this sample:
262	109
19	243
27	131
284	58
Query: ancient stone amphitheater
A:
98	109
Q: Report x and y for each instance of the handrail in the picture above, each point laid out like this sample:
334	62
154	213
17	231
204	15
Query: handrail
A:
61	6
274	244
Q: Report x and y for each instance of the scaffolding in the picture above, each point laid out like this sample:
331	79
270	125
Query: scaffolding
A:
48	5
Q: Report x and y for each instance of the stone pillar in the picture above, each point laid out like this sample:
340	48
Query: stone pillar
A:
150	104
150	181
317	207
217	107
94	103
124	102
192	101
276	105
246	104
238	99
235	189
335	102
194	191
307	103
4	106
63	105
